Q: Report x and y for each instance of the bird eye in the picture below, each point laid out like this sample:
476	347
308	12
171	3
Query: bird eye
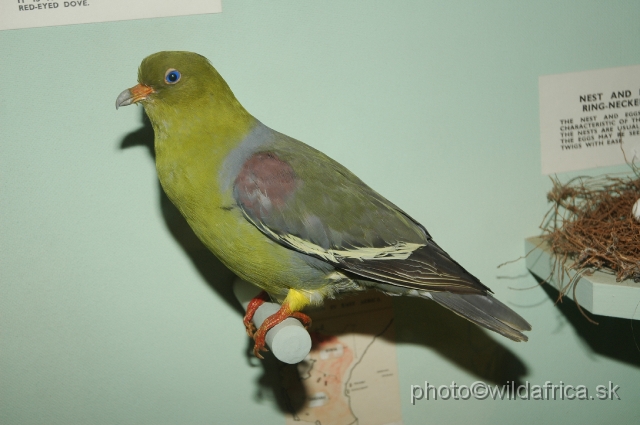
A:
172	76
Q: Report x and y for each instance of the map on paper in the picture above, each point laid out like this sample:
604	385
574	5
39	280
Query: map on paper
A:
351	373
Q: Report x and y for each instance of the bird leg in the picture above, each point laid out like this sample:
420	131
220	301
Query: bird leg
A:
254	304
293	303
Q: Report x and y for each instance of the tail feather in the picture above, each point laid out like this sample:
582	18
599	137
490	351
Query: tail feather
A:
486	311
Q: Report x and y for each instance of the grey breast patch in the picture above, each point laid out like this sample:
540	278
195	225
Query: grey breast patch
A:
258	137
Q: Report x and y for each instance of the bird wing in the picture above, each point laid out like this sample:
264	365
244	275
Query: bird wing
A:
308	202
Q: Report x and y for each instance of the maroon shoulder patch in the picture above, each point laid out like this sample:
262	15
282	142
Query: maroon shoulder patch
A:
265	181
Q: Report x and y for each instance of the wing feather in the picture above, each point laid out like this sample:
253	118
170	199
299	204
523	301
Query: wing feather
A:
307	202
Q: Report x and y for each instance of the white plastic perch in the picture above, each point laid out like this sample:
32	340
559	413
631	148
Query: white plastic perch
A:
289	341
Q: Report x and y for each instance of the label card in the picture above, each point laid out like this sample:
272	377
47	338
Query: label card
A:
15	14
588	118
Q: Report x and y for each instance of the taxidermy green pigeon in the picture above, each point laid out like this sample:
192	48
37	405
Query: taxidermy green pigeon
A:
284	216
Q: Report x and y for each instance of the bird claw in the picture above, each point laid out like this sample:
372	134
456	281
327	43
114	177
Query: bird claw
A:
250	328
303	318
260	335
253	305
256	351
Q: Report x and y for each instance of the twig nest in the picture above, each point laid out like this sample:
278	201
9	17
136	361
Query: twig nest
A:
636	210
596	222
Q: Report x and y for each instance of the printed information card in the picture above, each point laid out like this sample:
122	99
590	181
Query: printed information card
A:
588	118
15	14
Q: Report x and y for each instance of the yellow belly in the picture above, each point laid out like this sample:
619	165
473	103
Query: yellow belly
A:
189	174
221	226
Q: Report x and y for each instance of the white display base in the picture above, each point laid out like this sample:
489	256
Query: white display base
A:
598	293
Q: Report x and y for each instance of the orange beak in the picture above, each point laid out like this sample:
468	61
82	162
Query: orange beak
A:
133	95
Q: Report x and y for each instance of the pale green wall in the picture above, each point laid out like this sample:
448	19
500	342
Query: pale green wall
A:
105	318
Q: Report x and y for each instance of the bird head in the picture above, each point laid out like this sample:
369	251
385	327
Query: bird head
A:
177	82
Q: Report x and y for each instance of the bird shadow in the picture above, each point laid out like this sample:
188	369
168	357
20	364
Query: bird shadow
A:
416	321
213	272
613	337
461	342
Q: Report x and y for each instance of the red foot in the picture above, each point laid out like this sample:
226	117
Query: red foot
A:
273	320
256	302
